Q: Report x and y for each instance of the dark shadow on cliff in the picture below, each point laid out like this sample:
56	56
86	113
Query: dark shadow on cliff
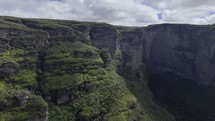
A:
184	98
136	82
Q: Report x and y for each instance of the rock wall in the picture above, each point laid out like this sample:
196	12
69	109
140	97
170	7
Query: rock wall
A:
186	50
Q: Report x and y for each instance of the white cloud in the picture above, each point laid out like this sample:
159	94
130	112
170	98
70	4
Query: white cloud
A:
120	12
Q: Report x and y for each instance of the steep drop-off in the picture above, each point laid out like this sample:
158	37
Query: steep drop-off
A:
181	69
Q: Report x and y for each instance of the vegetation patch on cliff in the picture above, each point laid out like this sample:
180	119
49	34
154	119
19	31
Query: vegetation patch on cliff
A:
83	88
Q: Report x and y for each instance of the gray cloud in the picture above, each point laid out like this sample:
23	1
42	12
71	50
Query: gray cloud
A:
120	12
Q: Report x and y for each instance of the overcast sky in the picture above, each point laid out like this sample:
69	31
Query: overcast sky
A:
118	12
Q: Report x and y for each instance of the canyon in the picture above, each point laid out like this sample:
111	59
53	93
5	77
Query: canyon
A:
83	71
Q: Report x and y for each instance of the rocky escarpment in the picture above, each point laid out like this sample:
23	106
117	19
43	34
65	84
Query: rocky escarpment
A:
70	69
187	50
178	59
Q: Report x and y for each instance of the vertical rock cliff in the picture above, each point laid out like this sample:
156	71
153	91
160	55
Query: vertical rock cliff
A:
186	50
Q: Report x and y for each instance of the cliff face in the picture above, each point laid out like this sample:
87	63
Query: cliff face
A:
183	49
177	58
186	50
180	62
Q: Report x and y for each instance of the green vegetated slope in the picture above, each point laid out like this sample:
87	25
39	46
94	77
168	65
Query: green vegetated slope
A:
49	71
18	99
76	78
75	72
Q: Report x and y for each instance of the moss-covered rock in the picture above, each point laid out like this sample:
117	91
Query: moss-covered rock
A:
21	105
11	56
105	55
